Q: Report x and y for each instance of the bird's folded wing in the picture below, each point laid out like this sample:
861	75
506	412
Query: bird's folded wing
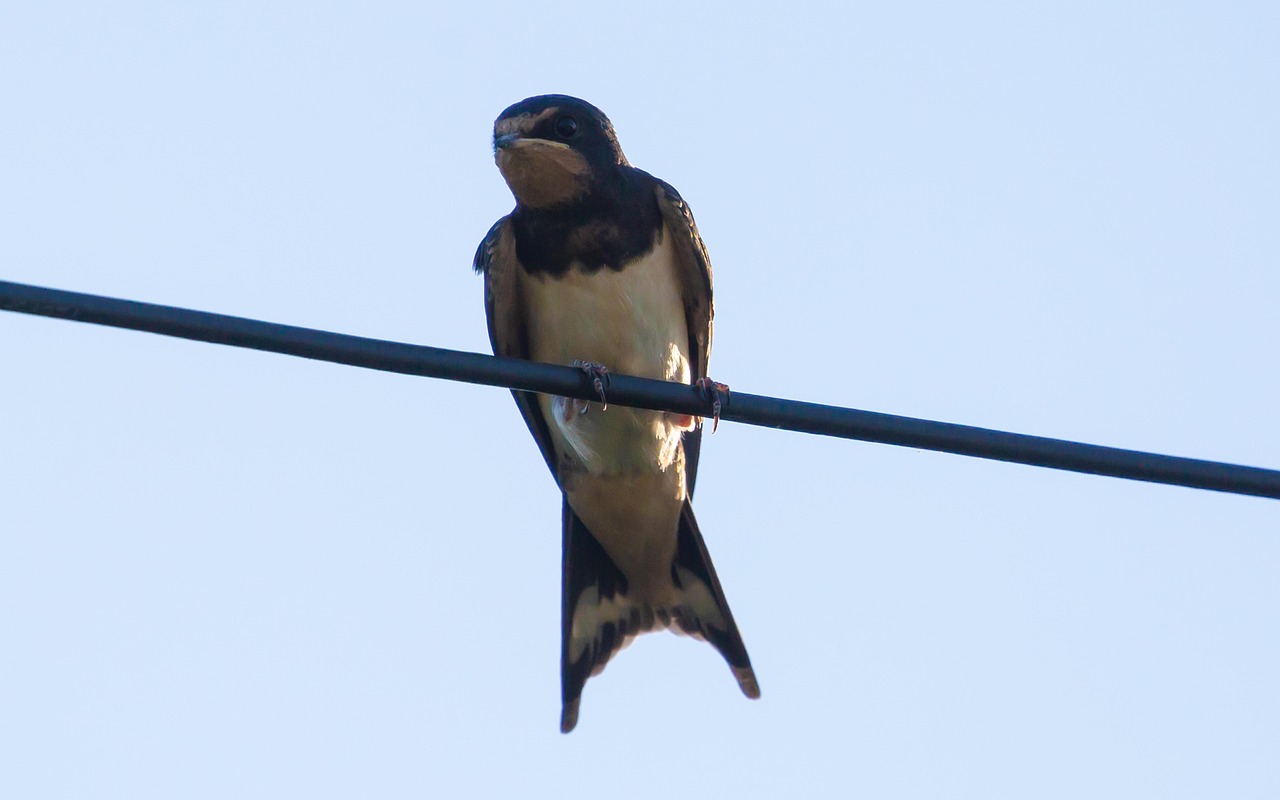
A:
496	260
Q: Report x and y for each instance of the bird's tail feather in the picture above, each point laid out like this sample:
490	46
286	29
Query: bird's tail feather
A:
703	610
599	618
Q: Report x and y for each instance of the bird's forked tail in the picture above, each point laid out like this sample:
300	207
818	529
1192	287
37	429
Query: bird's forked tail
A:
599	618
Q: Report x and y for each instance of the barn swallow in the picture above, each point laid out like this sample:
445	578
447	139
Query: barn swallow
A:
600	265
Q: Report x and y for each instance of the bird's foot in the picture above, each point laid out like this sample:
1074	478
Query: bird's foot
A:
599	376
712	391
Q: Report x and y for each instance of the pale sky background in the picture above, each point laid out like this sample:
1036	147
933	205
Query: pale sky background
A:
233	574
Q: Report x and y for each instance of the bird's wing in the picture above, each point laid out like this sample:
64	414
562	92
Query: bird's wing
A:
695	574
496	260
695	275
695	285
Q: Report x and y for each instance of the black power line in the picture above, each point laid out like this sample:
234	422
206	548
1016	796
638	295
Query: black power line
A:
625	390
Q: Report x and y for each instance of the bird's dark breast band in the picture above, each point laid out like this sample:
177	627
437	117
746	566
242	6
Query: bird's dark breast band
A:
602	233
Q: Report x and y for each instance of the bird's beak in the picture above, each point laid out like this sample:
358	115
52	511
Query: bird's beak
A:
504	141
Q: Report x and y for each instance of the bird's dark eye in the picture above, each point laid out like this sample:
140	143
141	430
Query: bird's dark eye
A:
566	127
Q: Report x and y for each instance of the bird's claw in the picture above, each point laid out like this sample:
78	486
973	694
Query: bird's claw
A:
712	390
599	375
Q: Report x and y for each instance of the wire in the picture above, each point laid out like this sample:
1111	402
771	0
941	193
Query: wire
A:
772	412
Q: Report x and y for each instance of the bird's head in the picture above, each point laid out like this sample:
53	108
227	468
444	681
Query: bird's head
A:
554	149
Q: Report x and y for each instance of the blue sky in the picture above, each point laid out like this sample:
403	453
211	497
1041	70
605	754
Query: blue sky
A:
226	573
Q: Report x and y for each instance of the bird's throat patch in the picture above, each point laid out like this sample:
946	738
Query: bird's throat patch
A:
544	174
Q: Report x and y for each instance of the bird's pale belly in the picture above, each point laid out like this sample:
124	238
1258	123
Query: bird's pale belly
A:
624	471
630	321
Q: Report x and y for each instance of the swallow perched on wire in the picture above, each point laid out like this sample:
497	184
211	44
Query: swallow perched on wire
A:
600	265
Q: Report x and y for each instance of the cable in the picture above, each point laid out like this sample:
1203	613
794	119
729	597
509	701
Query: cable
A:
625	390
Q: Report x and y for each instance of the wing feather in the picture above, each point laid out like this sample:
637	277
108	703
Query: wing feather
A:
496	260
699	311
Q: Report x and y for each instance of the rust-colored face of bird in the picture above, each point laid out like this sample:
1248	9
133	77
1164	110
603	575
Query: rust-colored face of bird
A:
553	149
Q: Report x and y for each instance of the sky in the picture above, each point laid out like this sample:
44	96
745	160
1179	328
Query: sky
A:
226	573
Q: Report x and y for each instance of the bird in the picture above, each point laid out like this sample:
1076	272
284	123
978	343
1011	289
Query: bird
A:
600	266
